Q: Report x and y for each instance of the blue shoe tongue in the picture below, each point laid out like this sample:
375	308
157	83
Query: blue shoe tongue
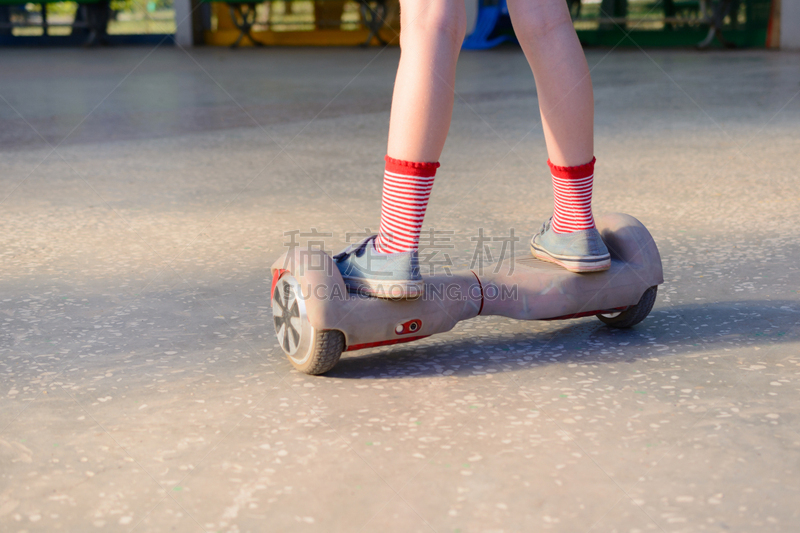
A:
357	250
363	247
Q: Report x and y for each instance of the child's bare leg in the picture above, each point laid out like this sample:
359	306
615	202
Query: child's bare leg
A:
563	84
422	106
566	104
387	266
422	103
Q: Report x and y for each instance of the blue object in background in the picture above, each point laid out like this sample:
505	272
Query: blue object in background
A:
492	17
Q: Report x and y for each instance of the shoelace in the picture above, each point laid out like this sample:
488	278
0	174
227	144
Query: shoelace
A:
341	256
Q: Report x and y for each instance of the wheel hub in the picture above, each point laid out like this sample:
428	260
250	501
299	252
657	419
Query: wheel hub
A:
289	315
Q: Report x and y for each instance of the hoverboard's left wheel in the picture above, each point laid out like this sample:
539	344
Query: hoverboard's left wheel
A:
310	350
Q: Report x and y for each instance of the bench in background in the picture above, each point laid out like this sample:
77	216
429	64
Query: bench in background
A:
373	18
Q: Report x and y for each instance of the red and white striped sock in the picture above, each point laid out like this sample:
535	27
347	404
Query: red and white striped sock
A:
406	189
572	188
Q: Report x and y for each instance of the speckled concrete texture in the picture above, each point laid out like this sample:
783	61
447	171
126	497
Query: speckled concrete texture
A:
146	192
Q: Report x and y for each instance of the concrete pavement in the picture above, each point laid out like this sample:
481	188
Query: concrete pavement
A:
145	193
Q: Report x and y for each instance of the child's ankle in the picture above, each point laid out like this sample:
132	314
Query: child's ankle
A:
406	189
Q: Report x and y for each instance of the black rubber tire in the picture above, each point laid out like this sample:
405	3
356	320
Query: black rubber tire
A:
328	348
634	314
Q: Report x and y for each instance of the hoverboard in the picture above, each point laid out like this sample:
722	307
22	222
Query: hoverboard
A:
316	319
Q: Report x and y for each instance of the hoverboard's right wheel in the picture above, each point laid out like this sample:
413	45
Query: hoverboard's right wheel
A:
632	315
309	350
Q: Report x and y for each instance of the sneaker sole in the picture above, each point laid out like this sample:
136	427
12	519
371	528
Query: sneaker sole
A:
390	290
581	265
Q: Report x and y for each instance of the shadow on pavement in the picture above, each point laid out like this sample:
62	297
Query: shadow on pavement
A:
486	348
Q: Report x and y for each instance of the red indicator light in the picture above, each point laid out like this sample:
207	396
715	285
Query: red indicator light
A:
406	328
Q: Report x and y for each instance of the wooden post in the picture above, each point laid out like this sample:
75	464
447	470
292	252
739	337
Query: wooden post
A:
44	18
774	26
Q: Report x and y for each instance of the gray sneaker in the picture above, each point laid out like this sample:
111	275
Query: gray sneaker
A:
579	251
368	271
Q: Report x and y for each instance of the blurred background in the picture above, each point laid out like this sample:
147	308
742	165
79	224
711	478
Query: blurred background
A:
647	23
156	155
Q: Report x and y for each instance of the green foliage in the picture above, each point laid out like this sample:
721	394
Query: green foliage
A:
58	8
122	5
133	6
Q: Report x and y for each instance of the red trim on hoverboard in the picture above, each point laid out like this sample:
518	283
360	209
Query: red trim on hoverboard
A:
275	277
588	313
480	286
383	343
